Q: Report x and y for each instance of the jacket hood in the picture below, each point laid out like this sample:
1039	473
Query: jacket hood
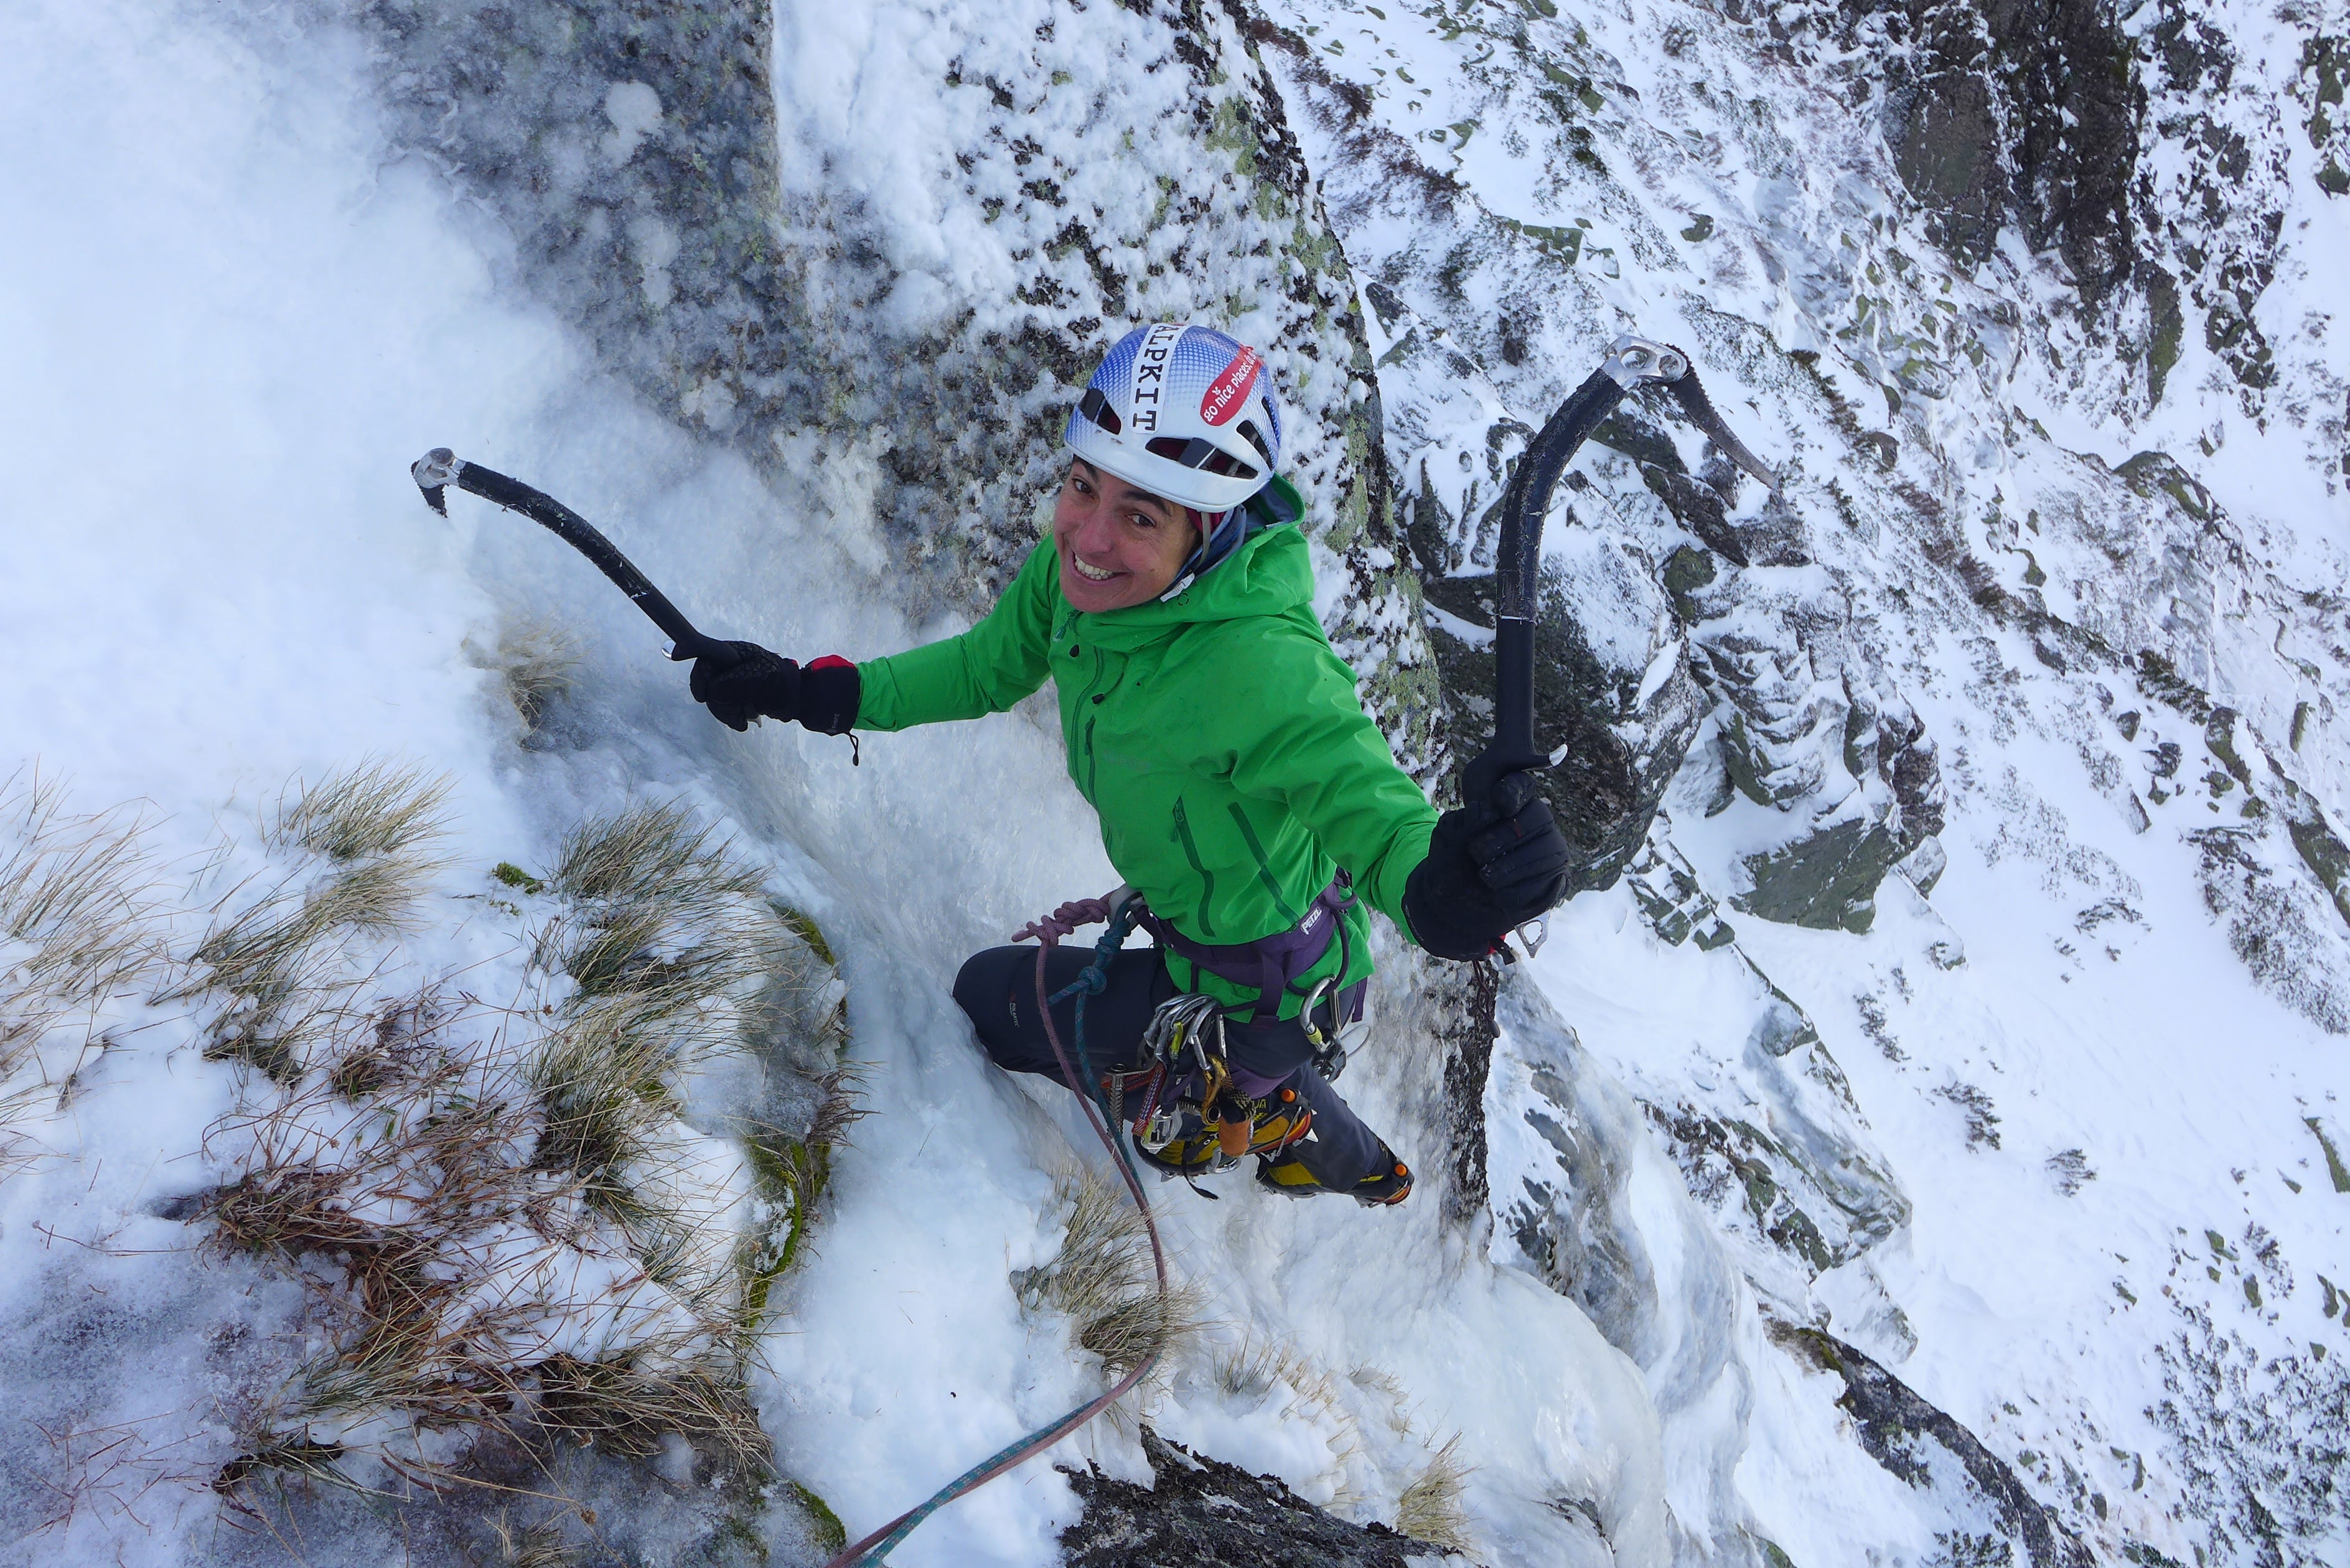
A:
1269	573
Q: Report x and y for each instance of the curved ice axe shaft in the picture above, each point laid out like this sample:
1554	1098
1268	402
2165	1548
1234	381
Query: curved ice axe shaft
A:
439	467
1632	362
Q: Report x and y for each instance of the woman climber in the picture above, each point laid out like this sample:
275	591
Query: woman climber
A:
1252	806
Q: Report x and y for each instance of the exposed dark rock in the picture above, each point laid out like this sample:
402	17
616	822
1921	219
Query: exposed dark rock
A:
1465	1000
1701	502
1203	1513
1827	880
1699	508
631	149
2018	111
1676	903
1687	571
1631	431
2151	470
2214	183
1799	718
1916	1442
1733	1164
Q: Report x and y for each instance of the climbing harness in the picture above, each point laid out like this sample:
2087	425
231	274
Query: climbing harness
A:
1186	1097
876	1547
1268	964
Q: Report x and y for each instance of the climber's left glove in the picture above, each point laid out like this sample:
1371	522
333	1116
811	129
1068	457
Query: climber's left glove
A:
1493	864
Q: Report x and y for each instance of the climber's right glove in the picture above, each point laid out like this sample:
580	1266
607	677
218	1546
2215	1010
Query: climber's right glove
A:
1492	865
740	682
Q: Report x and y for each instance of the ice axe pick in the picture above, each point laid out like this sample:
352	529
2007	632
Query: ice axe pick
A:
440	468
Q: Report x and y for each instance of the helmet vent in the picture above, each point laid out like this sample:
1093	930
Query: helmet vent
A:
1255	437
1199	454
1095	407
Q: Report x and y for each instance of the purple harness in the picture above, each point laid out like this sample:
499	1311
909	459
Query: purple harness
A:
1271	963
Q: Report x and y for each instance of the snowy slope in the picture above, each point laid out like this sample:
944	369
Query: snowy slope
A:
2056	1126
2064	1005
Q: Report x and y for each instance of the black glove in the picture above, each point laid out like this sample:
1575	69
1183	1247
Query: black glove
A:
1494	865
740	682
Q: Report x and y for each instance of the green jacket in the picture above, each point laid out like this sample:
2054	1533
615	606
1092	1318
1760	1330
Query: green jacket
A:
1217	735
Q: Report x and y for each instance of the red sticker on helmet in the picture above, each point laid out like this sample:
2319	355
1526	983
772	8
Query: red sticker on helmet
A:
1230	389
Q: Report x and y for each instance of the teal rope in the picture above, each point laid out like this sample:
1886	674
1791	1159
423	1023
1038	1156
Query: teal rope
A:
1092	982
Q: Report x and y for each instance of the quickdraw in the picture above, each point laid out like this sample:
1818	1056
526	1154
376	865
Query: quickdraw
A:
1195	1119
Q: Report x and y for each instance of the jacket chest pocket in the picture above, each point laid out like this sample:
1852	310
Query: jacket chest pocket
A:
1090	729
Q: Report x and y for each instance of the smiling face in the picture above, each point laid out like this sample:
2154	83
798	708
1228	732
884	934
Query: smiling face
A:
1118	544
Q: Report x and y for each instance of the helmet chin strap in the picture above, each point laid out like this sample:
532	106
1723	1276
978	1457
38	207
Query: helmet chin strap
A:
1204	525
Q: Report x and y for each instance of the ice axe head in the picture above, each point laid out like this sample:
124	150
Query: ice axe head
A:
433	473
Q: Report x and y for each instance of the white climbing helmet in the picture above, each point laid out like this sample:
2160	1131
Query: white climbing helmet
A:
1184	411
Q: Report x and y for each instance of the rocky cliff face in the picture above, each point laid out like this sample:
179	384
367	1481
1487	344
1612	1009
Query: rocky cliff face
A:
904	322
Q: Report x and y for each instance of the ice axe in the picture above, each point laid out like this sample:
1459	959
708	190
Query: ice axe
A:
1631	363
440	468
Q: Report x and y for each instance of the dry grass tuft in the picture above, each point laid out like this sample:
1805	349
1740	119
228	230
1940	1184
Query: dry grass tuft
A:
79	930
370	811
537	1545
672	951
535	660
441	1263
1429	1509
626	1407
497	1223
279	1456
841	1106
398	1050
278	959
1103	1279
1255	1369
602	1082
74	922
653	857
388	1240
668	924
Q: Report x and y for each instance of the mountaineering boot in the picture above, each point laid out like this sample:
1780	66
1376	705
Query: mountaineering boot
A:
1264	1128
1389	1183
